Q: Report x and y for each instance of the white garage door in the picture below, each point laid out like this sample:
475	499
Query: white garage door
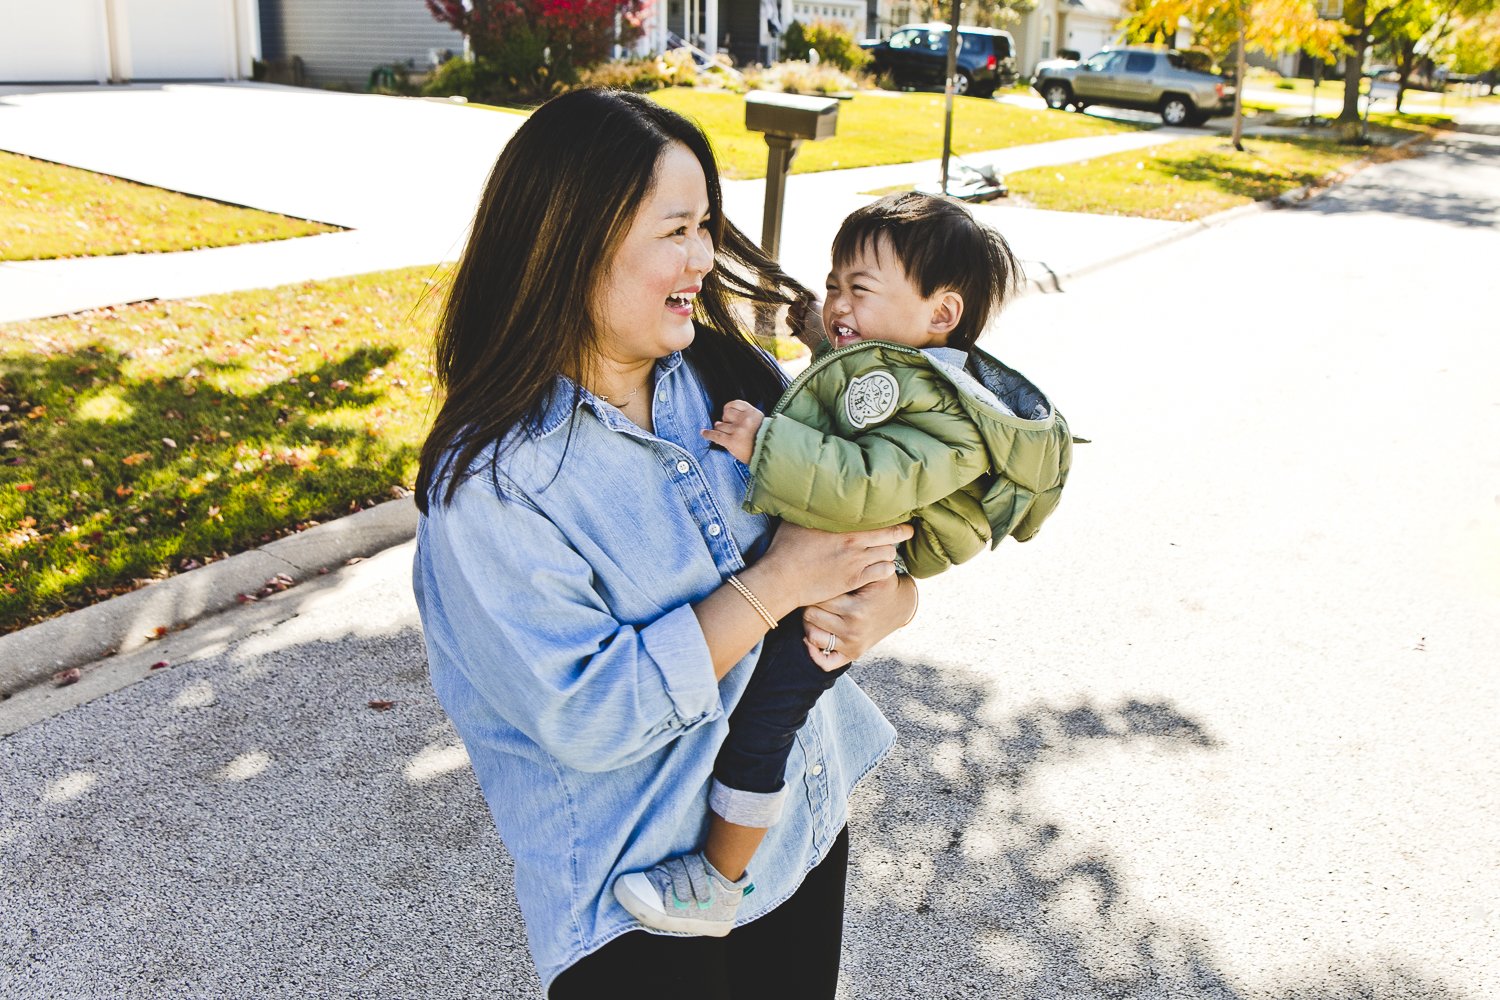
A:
61	41
181	39
1087	38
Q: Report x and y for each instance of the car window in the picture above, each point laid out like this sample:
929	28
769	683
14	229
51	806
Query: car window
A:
1198	62
1101	62
904	39
937	41
1139	62
975	44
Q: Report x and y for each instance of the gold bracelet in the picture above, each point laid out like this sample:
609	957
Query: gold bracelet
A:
748	595
914	604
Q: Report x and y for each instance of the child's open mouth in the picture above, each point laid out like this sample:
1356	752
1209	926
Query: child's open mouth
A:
843	335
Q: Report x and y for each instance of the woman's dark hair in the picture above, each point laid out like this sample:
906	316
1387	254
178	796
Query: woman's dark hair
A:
557	205
939	245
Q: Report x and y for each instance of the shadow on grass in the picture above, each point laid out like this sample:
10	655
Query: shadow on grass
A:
1240	174
253	827
108	479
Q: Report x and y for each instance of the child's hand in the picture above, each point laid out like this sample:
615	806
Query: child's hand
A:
735	431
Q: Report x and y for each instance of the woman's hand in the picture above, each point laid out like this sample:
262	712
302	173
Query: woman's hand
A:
851	623
804	566
805	317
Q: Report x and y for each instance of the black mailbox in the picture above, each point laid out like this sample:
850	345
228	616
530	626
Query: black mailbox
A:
786	120
791	115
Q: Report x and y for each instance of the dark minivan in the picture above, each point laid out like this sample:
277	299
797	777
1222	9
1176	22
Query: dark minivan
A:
917	55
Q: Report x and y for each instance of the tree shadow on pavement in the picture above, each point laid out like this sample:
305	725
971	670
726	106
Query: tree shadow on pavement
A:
292	818
978	892
1405	190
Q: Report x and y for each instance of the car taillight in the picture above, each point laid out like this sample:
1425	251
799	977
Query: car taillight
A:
1219	90
991	63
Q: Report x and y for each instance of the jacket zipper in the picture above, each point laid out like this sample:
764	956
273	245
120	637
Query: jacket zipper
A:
828	358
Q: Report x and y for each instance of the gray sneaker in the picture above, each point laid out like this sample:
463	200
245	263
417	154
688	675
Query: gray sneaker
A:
684	894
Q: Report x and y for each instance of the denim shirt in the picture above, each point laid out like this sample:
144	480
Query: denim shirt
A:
562	643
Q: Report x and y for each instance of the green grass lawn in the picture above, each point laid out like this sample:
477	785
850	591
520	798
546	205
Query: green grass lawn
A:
142	440
879	128
49	210
1181	181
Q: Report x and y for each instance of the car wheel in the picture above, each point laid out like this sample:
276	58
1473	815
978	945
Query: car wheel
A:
962	83
1177	110
1056	95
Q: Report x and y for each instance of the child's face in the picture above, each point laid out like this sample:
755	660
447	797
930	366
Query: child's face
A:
869	297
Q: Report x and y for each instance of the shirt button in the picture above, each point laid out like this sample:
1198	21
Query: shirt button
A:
817	769
683	466
714	529
662	396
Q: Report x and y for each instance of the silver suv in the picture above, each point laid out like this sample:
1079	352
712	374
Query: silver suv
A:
1133	76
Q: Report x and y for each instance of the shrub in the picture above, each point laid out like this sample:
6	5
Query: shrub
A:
671	69
835	45
794	43
801	78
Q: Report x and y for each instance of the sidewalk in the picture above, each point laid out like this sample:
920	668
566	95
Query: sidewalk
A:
409	202
418	229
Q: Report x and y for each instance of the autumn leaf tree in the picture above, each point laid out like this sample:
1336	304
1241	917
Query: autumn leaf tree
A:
529	44
1226	27
1437	31
1474	46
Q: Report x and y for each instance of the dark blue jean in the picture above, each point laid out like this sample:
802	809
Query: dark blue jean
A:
785	686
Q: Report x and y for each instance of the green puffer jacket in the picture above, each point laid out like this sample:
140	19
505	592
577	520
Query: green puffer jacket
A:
876	434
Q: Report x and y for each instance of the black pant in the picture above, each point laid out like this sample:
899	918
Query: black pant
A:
791	953
785	686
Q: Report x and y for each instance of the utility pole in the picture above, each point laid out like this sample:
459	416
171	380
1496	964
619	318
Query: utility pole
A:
948	92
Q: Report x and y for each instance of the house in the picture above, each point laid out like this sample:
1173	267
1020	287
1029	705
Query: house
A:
115	41
1057	26
339	42
1053	26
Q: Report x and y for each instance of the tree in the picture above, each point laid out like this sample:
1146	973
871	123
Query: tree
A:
1474	46
528	43
983	13
1270	26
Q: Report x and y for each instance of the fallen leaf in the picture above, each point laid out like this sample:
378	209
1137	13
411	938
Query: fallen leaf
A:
160	664
65	677
381	705
137	458
25	487
158	632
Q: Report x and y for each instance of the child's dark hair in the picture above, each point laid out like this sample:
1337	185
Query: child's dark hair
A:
939	245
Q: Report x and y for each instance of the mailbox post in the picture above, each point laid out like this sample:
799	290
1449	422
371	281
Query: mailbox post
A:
785	120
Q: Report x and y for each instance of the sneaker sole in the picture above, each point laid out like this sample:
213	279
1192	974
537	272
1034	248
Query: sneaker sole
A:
652	916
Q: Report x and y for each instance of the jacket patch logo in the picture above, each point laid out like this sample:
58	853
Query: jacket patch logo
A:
871	399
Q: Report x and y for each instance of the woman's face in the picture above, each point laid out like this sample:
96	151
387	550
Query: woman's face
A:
644	304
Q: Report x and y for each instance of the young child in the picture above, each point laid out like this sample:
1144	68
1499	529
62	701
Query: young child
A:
898	418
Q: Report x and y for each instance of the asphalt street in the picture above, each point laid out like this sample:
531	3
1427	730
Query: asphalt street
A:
1223	730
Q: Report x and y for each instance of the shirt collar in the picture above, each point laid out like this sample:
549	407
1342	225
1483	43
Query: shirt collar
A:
567	395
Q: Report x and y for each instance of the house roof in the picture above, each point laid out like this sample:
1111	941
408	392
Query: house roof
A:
1103	8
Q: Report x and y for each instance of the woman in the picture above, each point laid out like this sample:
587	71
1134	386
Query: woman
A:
592	593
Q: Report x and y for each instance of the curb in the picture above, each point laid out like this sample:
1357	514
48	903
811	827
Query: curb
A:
31	656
